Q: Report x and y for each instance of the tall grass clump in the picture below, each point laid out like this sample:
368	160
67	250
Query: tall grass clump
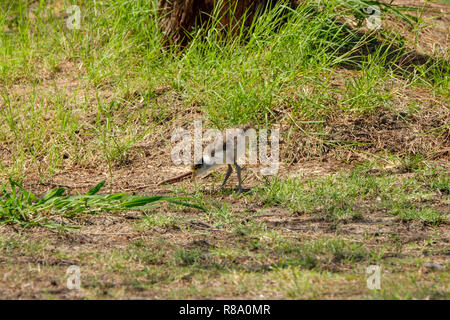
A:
287	55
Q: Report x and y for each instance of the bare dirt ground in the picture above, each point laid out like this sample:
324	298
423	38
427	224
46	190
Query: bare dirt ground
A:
34	261
37	269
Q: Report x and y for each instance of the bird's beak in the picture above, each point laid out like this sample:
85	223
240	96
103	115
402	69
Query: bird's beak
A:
194	174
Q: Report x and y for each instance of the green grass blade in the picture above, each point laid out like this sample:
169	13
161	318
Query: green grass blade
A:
97	188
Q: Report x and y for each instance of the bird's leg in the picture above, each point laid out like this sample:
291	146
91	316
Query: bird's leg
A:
227	175
238	171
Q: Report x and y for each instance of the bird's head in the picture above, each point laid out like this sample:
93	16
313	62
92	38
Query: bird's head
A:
195	168
201	167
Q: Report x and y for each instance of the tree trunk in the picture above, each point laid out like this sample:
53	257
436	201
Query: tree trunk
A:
180	16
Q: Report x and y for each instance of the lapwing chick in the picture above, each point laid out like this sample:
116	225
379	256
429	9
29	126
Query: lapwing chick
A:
227	153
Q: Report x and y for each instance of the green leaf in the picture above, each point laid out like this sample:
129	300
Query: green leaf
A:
97	188
51	194
141	201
